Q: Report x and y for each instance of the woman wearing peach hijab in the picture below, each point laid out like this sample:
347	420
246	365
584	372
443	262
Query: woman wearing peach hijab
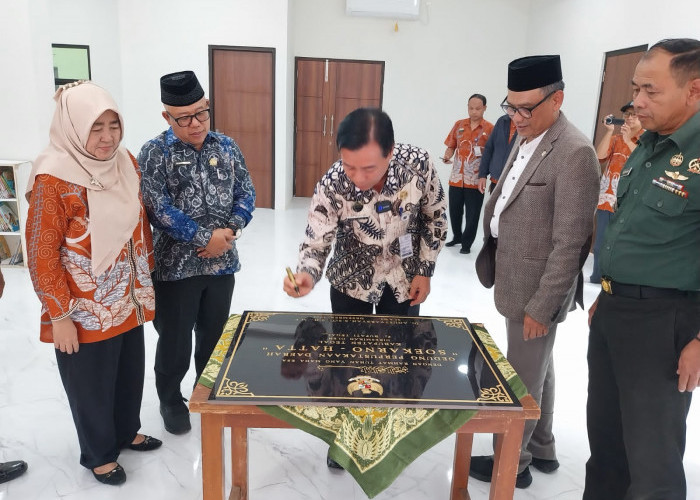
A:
90	256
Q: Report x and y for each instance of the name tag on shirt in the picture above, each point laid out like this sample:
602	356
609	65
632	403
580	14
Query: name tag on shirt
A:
405	246
477	150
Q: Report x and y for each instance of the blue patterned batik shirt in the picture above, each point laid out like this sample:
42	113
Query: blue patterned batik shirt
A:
188	194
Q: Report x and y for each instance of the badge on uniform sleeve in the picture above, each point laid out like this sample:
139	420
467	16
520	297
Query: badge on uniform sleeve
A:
676	160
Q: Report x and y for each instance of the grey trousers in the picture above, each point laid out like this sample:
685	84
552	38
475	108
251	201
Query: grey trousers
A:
534	363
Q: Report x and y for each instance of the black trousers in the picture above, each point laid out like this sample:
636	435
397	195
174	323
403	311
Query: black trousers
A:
465	202
636	415
344	304
201	303
104	385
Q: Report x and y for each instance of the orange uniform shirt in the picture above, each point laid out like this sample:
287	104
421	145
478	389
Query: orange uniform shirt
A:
617	155
468	145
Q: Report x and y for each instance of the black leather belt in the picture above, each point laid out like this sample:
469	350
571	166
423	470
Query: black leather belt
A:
639	291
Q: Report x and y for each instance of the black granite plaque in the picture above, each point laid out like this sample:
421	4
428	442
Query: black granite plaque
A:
297	358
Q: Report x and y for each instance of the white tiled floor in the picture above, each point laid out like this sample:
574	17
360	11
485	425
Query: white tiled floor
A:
35	422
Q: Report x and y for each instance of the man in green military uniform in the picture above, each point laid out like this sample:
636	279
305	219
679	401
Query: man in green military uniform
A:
644	345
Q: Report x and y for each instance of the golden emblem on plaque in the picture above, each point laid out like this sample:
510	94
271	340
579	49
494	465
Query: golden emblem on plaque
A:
403	195
365	384
676	160
676	176
694	166
496	394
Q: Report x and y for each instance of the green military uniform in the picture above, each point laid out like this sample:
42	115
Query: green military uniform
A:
654	237
648	312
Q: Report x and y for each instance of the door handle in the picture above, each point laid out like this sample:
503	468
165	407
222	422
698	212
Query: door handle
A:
324	125
332	116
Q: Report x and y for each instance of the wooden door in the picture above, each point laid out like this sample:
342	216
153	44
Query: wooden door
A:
616	89
326	91
357	85
311	124
242	84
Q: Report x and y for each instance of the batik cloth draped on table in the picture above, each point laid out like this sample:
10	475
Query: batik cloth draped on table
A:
373	444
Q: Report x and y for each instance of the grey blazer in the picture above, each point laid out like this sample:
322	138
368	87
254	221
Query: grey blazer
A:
545	228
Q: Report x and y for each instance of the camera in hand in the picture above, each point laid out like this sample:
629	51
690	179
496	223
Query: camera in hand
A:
611	120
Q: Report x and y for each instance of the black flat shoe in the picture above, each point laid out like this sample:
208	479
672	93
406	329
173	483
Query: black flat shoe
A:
464	251
11	470
115	477
149	443
452	243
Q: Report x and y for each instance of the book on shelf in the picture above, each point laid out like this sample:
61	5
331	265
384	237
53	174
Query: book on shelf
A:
5	189
4	249
8	182
9	217
17	257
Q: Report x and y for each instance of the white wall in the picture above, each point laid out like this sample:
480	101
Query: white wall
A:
432	65
458	47
583	30
26	85
163	37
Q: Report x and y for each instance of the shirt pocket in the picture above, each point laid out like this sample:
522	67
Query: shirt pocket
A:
665	202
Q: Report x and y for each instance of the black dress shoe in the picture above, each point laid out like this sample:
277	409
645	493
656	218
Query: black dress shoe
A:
11	470
452	243
176	418
149	443
465	251
481	468
115	477
332	464
544	465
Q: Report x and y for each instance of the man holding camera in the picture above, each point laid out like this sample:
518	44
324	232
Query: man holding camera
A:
613	150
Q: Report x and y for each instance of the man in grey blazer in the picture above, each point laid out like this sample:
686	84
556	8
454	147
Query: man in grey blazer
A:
537	229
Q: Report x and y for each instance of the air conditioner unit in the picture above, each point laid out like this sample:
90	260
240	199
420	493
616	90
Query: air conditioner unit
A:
396	9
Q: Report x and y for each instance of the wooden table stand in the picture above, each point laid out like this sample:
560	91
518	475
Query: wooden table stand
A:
507	425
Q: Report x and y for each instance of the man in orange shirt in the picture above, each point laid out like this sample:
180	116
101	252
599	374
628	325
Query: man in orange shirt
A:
466	141
613	149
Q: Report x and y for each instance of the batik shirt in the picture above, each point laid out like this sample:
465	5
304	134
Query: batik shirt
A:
618	152
59	251
367	255
468	145
188	194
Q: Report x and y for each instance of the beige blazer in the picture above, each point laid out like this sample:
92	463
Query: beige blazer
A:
545	228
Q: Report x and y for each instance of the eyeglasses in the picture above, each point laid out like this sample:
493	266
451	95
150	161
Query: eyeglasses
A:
184	121
523	111
628	114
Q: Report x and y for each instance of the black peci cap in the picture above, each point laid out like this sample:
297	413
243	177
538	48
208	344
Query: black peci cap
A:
533	72
180	89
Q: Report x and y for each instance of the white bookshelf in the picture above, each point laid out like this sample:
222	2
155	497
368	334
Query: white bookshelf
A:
18	172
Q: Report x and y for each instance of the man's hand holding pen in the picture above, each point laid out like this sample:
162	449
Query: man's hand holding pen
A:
304	284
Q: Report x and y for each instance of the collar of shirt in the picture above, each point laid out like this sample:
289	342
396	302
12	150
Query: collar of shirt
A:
389	187
685	137
527	148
